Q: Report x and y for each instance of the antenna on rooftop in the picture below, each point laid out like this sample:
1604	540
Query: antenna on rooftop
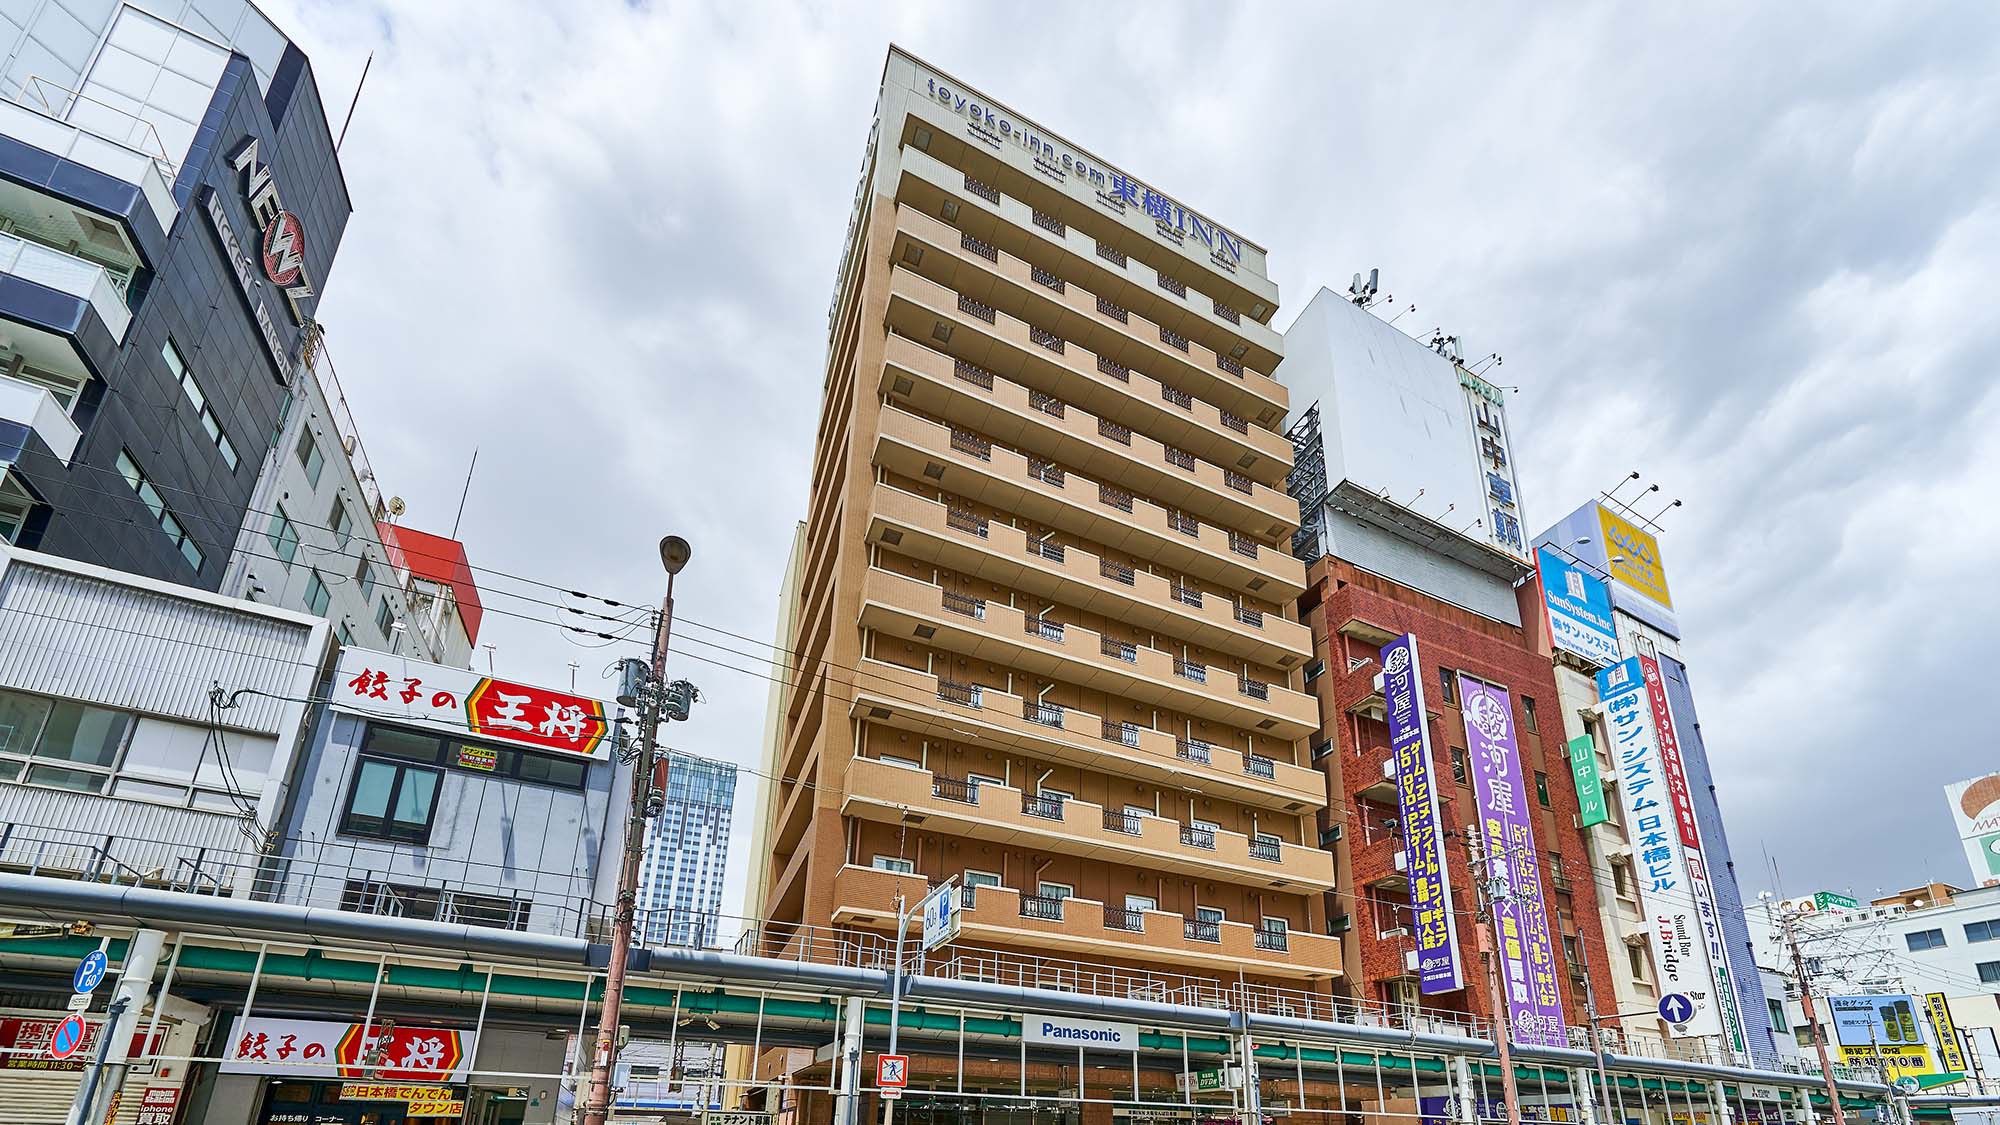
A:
1361	292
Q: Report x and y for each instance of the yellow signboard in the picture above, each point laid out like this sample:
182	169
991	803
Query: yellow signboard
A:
392	1092
1897	1059
436	1109
1947	1032
1634	555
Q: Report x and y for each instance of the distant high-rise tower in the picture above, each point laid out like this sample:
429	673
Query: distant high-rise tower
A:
687	853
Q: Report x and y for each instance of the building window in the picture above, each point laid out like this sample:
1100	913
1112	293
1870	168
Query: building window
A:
1621	879
346	635
364	575
310	457
391	801
1777	1014
15	505
58	743
284	536
317	596
1314	670
1461	767
1989	972
1636	957
210	424
1528	716
384	617
1542	788
894	863
338	523
1982	931
150	496
1448	684
1924	939
422	748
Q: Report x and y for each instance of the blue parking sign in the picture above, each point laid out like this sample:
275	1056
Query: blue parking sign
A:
89	972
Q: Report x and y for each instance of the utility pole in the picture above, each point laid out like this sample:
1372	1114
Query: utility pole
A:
1812	1021
648	797
1597	1045
896	997
1491	942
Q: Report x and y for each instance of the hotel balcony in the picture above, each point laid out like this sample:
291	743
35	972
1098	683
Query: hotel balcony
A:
902	607
1037	423
914	700
26	409
1056	300
48	289
1221	309
996	552
965	328
1086	930
888	793
91	168
971	467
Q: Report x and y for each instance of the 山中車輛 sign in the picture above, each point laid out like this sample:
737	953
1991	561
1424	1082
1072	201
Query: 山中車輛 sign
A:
463	703
1438	966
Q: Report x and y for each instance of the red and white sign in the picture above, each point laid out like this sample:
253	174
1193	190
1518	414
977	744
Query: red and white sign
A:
456	701
157	1105
892	1072
1670	753
24	1041
324	1049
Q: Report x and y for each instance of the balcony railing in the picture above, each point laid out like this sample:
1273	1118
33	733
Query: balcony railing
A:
1114	369
1258	766
1243	545
1130	921
1116	571
985	250
955	789
1119	650
967	442
1197	929
67	273
1045	807
1229	365
1251	617
965	695
1044	628
1238	481
971	373
1125	734
1181	399
1047	714
966	522
1186	525
1049	223
1120	434
1047	404
1192	750
1114	497
1240	425
1274	941
1180	458
1046	339
1195	836
1173	285
1173	340
1045	278
984	191
965	604
1255	689
1186	595
1046	473
1045	909
1113	311
1225	312
1269	851
1125	823
1189	670
1111	254
1054	552
980	309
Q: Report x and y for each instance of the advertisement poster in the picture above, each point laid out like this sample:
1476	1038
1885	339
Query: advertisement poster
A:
325	1049
1589	783
1975	808
1438	966
1579	609
1885	1030
1527	956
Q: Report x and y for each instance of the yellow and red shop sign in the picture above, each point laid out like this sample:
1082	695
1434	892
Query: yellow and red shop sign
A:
456	701
324	1049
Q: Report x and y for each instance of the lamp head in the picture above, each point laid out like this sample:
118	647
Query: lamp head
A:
674	552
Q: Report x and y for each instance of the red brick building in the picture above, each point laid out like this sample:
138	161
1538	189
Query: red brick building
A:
1352	613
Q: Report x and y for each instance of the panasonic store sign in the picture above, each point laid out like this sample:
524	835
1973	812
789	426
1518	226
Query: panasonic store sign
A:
1062	1031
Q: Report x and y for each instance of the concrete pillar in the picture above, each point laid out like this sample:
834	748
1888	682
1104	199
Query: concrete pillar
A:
101	1084
847	1105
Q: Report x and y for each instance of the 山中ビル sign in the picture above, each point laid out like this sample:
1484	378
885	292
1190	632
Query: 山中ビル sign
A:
1590	803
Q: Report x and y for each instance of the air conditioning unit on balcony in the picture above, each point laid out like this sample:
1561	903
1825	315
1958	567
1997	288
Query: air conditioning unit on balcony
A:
1403	859
1409	960
1378	683
1389	768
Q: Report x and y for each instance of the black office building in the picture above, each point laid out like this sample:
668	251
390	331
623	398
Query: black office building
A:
158	277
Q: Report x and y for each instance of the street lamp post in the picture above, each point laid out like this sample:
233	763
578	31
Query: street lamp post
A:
647	792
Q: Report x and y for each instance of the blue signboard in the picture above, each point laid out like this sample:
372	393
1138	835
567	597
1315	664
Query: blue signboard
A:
1579	607
1438	967
89	972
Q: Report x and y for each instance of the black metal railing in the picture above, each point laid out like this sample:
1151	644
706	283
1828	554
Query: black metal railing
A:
1113	311
1047	404
1225	312
1186	595
1054	552
1046	473
1275	941
1044	277
985	250
1229	365
1041	805
1189	670
1119	650
980	309
1240	425
1238	481
1114	497
1049	223
1114	369
1130	921
965	521
1200	929
1181	399
1268	851
1125	734
1251	617
1046	339
1117	572
971	373
1110	254
1255	689
1173	285
967	442
1118	820
1173	339
1258	766
1046	909
1044	628
1195	836
1193	750
1243	545
1047	714
952	691
1180	458
1186	525
1113	430
965	604
987	192
955	789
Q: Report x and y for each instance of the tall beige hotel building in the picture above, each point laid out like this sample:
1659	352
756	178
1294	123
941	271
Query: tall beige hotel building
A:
1041	621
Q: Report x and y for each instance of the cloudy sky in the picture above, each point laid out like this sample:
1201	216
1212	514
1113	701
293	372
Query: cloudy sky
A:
1749	253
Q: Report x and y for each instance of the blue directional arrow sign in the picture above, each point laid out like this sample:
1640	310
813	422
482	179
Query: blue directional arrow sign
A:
1676	1007
67	1038
89	972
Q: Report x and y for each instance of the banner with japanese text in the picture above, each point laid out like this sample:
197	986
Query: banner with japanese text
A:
454	701
1589	783
383	1051
1438	965
1578	607
1527	956
1659	861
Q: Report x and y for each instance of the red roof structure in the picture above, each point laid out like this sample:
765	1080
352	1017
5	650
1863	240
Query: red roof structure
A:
436	559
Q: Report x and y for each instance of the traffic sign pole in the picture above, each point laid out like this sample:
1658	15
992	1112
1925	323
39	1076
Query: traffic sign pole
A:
135	980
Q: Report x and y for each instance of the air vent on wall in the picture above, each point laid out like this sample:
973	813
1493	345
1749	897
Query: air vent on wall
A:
926	632
891	536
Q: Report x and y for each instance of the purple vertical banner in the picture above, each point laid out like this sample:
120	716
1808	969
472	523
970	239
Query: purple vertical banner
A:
1423	832
1527	959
